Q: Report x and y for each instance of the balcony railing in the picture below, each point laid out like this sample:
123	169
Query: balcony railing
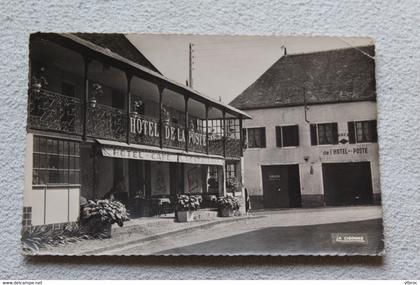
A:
144	130
174	135
233	147
54	112
106	122
197	141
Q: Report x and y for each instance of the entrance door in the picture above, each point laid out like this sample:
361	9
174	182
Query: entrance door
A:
347	183
281	186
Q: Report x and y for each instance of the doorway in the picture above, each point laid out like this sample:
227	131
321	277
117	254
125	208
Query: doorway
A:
281	186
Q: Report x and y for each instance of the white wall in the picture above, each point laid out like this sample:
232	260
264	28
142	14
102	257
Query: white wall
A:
310	183
49	205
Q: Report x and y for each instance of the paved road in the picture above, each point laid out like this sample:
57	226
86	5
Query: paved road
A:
290	232
292	240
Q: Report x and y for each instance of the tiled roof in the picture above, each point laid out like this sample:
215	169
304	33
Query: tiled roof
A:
342	75
119	44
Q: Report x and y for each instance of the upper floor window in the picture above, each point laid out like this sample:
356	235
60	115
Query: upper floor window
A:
256	137
326	133
362	131
287	136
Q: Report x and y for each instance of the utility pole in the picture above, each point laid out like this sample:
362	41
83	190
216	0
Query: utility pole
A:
190	79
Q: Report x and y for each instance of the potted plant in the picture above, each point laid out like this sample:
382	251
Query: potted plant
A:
185	207
99	215
233	184
228	205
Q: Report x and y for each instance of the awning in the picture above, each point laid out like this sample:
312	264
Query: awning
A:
141	152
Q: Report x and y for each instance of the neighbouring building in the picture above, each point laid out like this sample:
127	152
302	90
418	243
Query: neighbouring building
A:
102	119
312	141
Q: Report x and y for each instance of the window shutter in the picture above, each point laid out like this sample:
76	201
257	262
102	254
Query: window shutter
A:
296	131
314	138
352	133
278	136
335	133
374	129
262	133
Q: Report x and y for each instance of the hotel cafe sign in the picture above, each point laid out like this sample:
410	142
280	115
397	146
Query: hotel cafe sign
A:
151	129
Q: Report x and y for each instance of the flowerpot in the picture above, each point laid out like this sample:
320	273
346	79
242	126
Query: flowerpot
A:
226	212
185	216
98	228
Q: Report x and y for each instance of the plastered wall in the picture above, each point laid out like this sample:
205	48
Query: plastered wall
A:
393	25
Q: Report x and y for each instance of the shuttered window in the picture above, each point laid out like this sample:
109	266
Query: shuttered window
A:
287	136
322	134
256	137
362	131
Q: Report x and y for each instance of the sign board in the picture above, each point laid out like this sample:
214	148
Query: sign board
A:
128	153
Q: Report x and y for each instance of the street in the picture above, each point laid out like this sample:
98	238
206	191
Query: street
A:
281	232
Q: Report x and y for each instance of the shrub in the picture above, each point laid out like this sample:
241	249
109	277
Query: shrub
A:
45	236
187	203
228	202
108	212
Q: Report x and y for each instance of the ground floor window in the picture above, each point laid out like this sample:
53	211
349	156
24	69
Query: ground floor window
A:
55	161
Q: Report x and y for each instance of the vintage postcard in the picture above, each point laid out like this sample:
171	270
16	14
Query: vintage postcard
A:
144	144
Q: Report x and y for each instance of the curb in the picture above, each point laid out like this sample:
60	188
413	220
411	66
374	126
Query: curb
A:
165	234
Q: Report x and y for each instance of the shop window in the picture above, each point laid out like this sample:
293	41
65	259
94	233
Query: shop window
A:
362	131
287	136
322	134
55	161
256	137
213	177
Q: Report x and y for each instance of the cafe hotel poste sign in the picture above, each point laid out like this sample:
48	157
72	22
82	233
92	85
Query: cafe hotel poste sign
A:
151	129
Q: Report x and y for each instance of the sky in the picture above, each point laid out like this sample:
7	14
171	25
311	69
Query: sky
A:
224	66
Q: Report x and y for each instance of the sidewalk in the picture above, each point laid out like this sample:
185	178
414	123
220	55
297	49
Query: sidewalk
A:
144	230
139	230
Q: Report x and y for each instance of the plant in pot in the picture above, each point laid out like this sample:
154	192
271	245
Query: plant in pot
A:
228	205
233	184
185	207
99	215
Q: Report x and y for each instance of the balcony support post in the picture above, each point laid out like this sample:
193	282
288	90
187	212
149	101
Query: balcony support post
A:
85	101
224	133
161	126
128	76
207	129
241	137
186	123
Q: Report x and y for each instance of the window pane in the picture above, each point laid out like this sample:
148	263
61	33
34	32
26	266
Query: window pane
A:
42	144
53	161
61	147
36	161
65	148
36	144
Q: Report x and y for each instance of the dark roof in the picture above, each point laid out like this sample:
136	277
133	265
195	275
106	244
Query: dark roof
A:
342	75
119	44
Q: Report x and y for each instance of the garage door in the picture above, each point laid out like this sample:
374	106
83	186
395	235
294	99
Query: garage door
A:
347	183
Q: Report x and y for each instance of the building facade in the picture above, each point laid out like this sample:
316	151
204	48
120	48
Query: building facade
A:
103	120
312	141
